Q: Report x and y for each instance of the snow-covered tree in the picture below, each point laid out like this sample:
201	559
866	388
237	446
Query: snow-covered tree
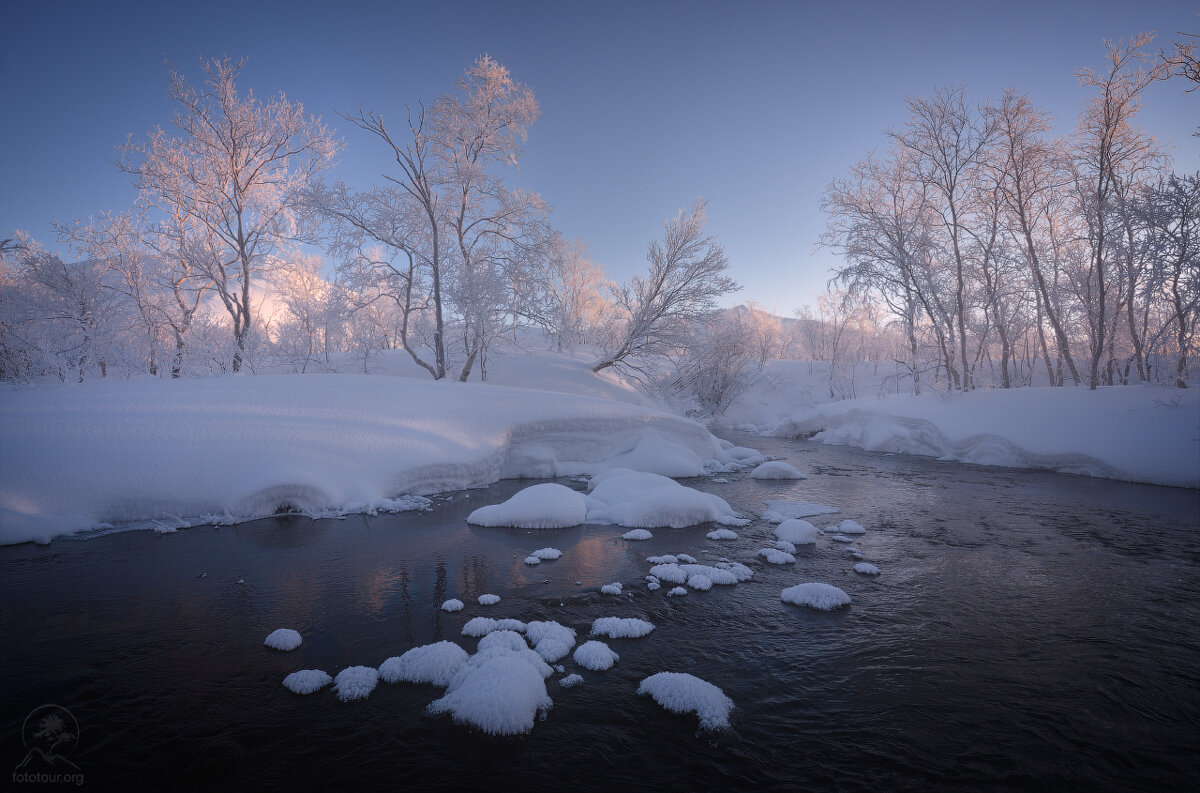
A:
657	312
570	303
236	171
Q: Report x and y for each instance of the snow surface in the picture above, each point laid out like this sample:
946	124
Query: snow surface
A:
500	691
679	692
355	682
596	656
776	469
645	500
866	568
1145	433
221	450
797	531
825	597
489	600
621	627
283	639
452	605
306	681
545	506
430	663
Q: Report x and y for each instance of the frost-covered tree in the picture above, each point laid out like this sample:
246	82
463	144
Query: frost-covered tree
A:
657	311
236	170
570	303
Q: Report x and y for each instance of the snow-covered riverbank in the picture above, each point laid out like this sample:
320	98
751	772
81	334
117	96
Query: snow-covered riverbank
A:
227	449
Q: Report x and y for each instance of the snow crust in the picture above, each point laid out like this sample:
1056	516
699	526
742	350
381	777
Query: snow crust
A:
825	597
307	681
355	682
621	627
283	639
430	663
680	692
545	506
596	656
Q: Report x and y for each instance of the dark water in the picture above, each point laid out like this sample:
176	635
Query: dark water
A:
1029	631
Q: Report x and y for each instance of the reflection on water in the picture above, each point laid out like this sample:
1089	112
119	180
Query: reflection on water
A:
1029	631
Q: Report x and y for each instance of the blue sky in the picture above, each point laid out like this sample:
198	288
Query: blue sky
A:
645	105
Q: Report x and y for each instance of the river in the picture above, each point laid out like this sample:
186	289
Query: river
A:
1029	631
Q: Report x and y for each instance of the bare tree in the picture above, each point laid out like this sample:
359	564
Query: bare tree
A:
236	171
658	310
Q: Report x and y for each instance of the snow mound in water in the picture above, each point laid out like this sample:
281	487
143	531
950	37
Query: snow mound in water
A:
498	690
664	559
545	506
699	581
647	501
679	692
430	663
825	597
797	531
676	592
611	589
501	638
355	682
776	469
489	600
737	569
479	626
596	656
532	560
621	627
653	586
547	554
851	527
785	546
866	568
551	640
283	639
570	681
779	511
452	605
306	681
722	534
510	625
683	557
744	456
776	556
637	534
680	573
841	538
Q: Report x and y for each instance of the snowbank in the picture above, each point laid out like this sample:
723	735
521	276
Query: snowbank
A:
1135	433
545	506
219	450
679	692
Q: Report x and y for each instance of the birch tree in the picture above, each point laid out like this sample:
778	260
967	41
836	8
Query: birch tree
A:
236	169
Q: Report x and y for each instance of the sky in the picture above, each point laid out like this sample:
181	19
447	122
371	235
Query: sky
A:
645	105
